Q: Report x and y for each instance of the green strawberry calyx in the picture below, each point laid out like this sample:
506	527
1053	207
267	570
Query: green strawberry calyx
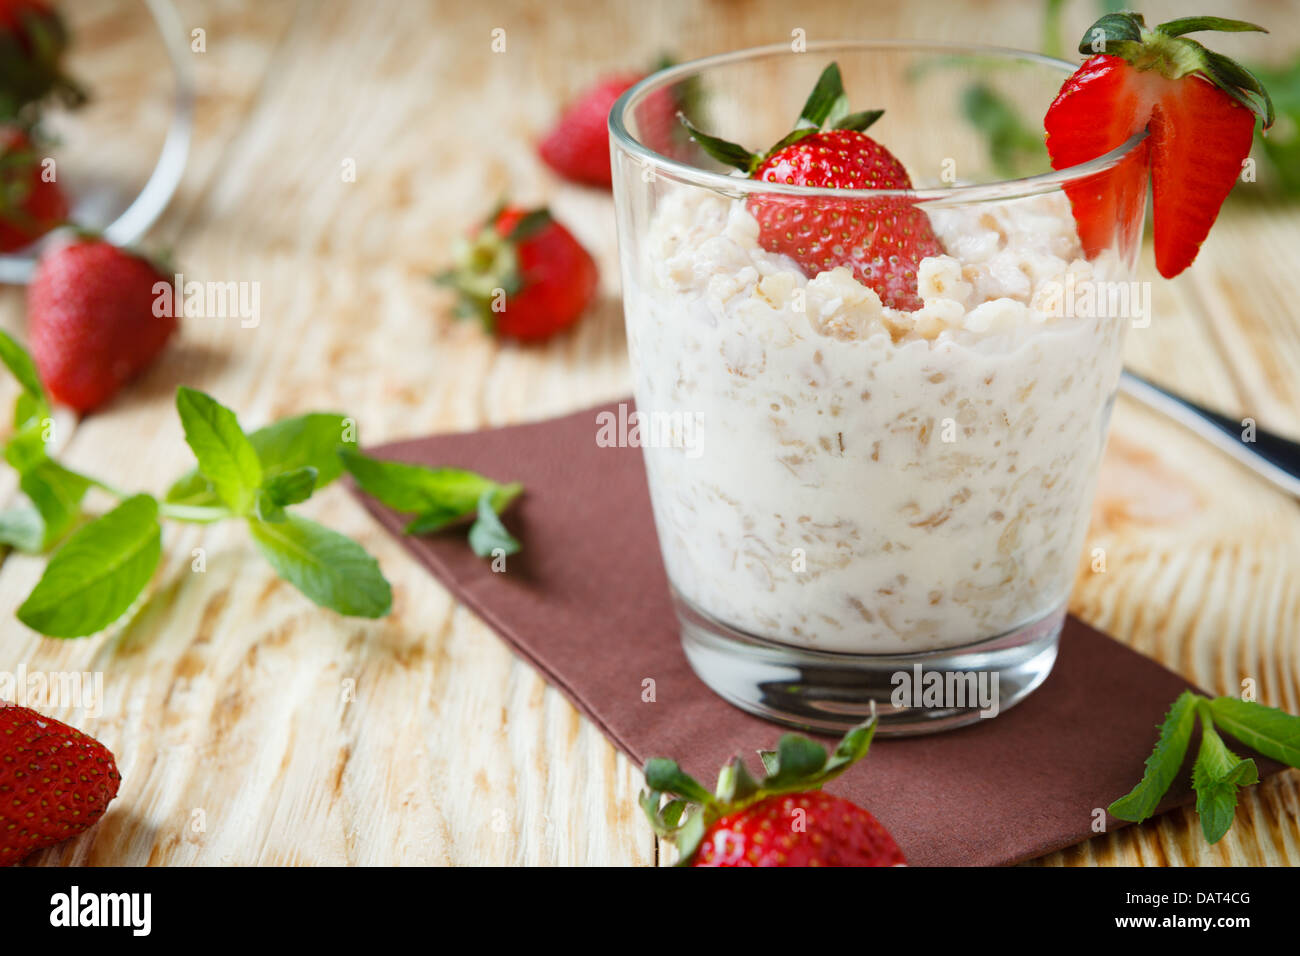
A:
827	107
485	265
796	766
32	55
1167	50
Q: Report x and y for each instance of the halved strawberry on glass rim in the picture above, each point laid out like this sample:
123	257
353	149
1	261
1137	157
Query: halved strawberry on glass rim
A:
1198	108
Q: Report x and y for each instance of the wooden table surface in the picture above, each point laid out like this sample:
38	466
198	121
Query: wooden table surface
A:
227	697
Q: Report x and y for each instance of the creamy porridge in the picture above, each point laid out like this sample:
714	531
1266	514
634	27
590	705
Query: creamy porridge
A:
873	481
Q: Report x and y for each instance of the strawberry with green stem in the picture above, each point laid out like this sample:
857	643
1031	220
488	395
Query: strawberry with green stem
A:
782	820
33	40
522	274
1198	109
882	239
31	204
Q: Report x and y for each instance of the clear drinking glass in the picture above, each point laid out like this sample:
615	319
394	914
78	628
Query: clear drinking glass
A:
863	509
96	145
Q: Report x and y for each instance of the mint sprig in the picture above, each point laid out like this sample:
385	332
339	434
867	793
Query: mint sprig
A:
438	498
55	492
304	441
104	566
99	573
1217	773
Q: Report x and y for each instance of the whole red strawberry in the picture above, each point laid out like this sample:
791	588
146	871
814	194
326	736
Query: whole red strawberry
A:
30	204
782	820
55	782
91	320
1198	111
523	275
881	239
577	146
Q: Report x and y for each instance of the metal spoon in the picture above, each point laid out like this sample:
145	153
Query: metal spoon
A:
1272	457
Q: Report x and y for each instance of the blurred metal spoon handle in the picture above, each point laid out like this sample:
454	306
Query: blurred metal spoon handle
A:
1272	457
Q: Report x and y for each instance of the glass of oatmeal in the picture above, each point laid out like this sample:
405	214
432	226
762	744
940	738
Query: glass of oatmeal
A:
885	494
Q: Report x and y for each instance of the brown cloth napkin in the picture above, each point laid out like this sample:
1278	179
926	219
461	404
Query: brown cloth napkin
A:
586	602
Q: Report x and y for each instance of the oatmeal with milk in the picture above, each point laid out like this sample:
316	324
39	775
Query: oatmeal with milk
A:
870	479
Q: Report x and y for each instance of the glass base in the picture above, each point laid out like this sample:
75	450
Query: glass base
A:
830	692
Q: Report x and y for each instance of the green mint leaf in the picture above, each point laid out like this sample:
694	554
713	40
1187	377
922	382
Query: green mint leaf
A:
22	528
487	534
435	519
1217	774
288	488
26	447
329	568
438	496
225	455
19	362
1270	731
827	97
1163	764
99	572
265	508
191	489
291	487
57	493
304	441
29	410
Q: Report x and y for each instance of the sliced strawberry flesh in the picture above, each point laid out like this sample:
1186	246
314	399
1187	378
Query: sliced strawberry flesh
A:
1199	138
1097	111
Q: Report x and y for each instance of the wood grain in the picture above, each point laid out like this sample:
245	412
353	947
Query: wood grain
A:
253	728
